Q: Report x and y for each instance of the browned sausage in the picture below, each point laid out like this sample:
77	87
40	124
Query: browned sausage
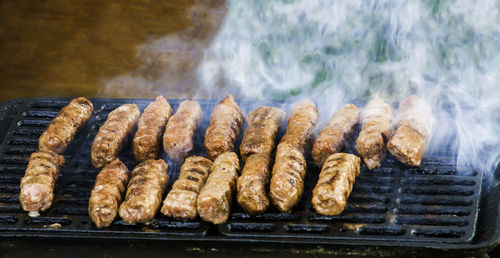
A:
107	193
178	139
63	128
300	125
287	182
113	134
413	131
37	185
335	183
145	189
263	126
180	202
332	138
225	126
376	130
214	201
147	141
251	185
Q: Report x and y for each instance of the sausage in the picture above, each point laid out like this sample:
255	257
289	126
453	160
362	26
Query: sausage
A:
37	185
214	201
145	189
263	126
332	138
63	128
180	202
113	134
375	132
107	193
147	141
251	185
225	126
301	123
287	182
335	183
178	139
413	131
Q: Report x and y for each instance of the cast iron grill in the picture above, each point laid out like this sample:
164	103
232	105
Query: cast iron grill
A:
436	202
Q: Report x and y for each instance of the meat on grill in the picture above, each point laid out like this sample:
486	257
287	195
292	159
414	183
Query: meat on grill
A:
225	126
147	141
300	125
114	134
63	128
260	135
335	183
375	132
178	139
145	189
180	202
413	131
107	193
253	182
214	201
333	137
287	182
37	185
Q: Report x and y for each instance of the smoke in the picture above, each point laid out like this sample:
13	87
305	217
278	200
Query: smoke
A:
337	51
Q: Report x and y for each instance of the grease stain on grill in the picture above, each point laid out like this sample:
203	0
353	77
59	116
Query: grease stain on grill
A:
307	228
438	233
8	220
47	221
251	227
381	231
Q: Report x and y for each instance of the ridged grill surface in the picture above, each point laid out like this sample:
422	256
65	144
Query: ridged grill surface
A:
436	202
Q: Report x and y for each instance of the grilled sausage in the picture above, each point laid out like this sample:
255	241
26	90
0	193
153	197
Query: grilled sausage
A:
413	131
287	182
301	123
179	133
214	201
113	134
145	189
251	185
37	185
332	138
147	141
63	128
263	126
375	132
107	193
225	126
180	202
335	183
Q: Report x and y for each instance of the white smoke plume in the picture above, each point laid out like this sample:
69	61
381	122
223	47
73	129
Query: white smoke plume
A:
336	51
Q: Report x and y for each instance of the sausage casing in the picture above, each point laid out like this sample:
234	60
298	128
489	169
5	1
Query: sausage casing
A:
413	131
375	132
251	185
225	127
63	128
37	185
180	202
147	140
263	126
214	201
287	182
145	189
107	193
303	118
178	139
113	134
332	138
335	183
